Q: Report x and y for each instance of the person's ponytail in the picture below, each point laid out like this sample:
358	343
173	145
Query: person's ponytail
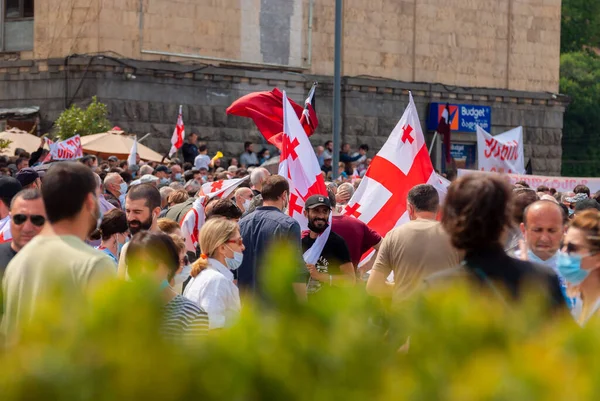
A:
200	264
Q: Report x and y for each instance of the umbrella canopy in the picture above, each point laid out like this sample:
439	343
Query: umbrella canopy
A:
116	143
20	139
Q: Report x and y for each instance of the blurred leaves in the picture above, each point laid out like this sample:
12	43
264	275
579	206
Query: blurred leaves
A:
75	120
336	346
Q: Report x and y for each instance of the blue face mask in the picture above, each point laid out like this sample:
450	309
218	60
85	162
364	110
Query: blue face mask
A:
123	188
235	262
164	181
178	176
569	266
164	284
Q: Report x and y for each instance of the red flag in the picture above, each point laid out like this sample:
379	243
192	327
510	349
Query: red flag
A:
266	110
178	134
444	129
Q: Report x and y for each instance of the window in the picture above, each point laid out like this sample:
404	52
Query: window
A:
18	9
16	25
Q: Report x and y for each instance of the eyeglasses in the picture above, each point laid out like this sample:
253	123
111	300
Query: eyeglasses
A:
239	241
36	219
572	248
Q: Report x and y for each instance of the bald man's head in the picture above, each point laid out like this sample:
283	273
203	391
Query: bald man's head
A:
543	228
243	198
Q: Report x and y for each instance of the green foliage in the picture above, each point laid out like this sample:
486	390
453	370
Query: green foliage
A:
4	144
75	120
580	25
335	347
580	80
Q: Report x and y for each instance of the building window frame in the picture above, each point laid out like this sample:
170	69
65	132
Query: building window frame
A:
4	19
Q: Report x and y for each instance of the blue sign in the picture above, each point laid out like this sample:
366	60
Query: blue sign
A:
463	117
464	155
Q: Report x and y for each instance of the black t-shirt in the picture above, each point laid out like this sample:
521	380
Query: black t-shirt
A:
6	255
334	254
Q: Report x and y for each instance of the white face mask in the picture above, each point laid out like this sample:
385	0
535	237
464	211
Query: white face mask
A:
246	204
183	275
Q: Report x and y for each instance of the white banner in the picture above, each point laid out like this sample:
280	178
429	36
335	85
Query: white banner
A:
502	153
561	184
69	149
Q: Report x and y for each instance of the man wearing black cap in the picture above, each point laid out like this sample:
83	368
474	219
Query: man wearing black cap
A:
334	267
9	187
163	173
113	161
29	178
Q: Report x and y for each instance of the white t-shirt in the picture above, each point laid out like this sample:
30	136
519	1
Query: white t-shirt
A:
214	291
201	161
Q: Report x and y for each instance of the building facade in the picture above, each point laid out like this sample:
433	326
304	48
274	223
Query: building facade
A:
145	57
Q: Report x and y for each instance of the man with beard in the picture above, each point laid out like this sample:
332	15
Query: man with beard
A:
142	208
334	267
57	261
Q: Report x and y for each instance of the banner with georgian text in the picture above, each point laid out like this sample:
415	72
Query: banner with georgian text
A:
502	153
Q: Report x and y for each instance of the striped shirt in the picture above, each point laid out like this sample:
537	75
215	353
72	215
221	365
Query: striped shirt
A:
184	319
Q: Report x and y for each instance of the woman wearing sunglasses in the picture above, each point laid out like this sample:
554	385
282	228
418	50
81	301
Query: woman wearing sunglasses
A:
579	262
212	286
114	234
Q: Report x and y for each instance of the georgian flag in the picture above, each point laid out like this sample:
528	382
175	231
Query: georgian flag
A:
178	134
194	219
402	163
298	163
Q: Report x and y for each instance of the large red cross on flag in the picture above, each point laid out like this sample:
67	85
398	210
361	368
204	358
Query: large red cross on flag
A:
178	134
194	219
299	164
402	163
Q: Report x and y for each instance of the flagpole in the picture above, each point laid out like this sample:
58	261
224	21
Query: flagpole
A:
433	142
337	88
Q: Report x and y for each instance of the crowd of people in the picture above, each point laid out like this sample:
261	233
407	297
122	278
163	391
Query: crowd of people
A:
76	225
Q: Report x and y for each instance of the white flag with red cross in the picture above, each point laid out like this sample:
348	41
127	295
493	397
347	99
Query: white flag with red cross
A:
178	134
299	164
194	219
402	163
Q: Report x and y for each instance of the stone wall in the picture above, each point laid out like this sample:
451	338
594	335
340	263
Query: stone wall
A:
370	107
507	44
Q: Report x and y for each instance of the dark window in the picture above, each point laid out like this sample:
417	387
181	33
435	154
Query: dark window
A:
18	9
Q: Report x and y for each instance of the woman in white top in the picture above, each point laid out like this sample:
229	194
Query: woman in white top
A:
212	286
579	262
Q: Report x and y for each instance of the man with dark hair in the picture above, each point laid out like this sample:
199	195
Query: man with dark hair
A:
29	178
142	206
28	216
202	160
248	158
582	189
334	267
521	184
544	189
413	250
345	154
224	208
265	225
57	260
21	163
328	152
9	187
189	149
90	160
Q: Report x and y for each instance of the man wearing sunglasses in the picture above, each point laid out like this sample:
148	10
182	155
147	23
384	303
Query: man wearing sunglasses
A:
28	216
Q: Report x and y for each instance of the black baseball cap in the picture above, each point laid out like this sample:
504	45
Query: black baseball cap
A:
317	200
26	176
9	187
162	169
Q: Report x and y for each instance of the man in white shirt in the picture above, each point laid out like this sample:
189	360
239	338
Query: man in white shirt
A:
202	160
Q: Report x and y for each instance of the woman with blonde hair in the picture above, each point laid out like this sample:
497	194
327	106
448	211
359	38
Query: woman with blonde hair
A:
579	262
212	287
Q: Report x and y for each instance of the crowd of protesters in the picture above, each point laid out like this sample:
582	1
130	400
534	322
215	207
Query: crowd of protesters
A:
78	224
